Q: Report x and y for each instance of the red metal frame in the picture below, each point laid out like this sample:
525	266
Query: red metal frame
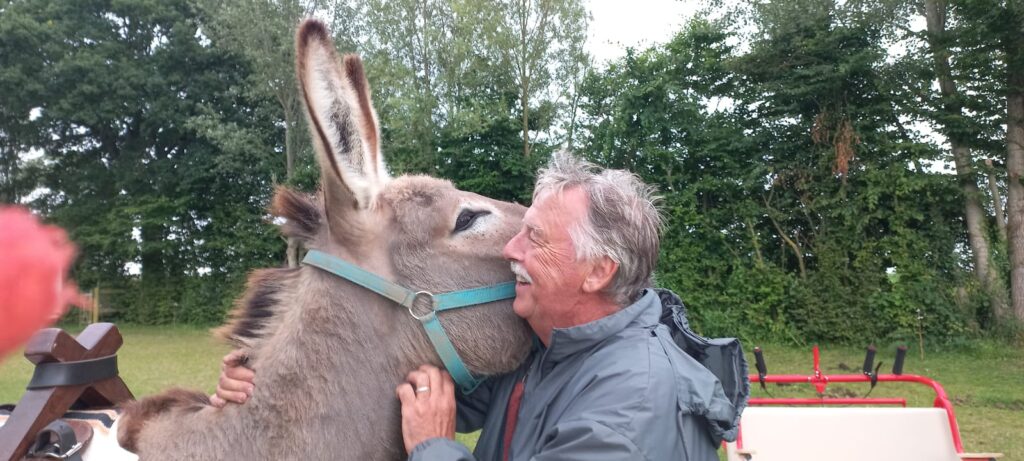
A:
820	381
827	401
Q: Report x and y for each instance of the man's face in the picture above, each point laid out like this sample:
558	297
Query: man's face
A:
544	253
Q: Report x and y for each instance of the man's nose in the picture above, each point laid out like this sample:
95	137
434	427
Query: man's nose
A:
510	251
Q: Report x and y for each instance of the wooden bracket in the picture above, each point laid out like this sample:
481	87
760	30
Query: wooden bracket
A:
39	407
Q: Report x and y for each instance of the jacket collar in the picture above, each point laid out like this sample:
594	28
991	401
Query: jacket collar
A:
568	341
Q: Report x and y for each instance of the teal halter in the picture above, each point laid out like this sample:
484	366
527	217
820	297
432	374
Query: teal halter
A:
406	297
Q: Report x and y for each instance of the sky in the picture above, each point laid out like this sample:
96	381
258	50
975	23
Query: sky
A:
618	24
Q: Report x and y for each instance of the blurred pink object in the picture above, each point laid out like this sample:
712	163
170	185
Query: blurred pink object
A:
34	288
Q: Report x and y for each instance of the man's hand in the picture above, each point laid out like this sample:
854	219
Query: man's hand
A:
428	406
236	382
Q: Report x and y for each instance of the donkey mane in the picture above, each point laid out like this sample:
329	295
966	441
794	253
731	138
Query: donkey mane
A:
256	311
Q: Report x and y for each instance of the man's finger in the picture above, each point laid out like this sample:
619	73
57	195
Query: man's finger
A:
236	397
233	385
433	379
405	393
419	380
217	401
446	383
240	374
234	358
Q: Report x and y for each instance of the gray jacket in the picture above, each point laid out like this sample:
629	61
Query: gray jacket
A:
615	388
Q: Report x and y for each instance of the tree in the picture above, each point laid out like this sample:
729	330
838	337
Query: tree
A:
261	32
131	99
538	40
23	88
951	119
794	206
989	59
445	90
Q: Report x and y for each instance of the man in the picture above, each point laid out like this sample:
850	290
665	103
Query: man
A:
607	382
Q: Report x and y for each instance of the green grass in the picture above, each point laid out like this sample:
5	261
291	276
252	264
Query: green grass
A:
983	379
152	359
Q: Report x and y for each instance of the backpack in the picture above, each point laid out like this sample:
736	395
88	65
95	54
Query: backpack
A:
722	356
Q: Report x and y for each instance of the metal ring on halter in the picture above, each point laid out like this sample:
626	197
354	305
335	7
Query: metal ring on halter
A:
413	303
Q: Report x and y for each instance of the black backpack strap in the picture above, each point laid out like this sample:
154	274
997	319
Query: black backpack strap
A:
722	356
57	441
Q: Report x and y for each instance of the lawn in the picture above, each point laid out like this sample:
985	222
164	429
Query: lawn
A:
983	379
152	359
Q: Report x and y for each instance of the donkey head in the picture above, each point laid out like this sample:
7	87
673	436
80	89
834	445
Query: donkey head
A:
417	231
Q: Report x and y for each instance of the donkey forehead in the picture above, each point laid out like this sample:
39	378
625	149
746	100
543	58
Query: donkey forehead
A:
427	192
428	202
416	190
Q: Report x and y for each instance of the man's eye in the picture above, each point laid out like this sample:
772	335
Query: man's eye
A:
466	219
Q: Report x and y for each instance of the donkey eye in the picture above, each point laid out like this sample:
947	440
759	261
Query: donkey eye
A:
466	219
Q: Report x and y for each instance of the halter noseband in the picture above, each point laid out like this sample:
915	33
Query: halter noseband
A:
406	297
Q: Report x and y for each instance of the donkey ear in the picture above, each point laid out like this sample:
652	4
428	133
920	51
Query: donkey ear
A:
341	119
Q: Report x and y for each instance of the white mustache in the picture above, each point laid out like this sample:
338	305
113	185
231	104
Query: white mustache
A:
520	272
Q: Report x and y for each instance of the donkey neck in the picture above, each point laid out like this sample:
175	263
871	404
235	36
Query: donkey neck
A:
335	360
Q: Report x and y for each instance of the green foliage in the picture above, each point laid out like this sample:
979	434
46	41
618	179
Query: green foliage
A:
798	201
795	213
152	155
165	125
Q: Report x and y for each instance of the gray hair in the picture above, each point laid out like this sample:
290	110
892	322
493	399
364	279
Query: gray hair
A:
622	221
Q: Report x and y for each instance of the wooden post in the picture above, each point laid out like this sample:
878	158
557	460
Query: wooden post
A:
39	407
96	304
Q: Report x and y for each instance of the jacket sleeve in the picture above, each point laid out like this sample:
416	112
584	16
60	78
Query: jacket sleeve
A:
587	441
440	449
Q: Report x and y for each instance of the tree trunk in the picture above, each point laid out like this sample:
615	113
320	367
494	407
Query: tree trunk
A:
1015	189
792	243
573	109
153	271
8	175
524	103
759	259
289	148
524	76
997	201
425	42
287	104
974	214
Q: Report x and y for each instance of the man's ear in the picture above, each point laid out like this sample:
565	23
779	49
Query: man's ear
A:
601	273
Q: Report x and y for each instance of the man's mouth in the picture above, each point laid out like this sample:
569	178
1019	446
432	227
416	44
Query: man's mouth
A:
522	277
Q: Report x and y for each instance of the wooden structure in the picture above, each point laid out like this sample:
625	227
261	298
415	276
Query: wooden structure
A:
42	405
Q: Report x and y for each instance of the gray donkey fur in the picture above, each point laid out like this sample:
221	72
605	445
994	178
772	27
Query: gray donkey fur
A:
329	354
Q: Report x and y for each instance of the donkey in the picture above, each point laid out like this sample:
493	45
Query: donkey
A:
329	353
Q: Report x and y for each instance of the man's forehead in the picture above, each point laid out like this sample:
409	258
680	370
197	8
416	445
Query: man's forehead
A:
566	205
566	197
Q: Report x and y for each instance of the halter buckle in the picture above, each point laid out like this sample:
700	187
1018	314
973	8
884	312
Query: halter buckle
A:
412	303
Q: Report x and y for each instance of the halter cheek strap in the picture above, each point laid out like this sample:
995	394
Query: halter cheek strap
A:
407	298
